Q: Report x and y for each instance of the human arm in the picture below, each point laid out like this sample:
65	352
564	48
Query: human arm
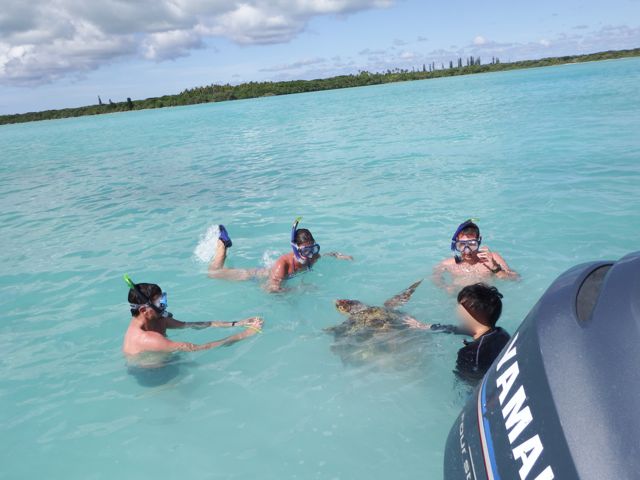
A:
338	255
506	271
277	275
177	324
155	342
433	327
416	324
494	262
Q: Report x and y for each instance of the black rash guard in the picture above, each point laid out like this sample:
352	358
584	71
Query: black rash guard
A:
475	358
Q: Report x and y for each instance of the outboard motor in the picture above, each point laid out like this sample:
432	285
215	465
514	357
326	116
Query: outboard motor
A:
563	398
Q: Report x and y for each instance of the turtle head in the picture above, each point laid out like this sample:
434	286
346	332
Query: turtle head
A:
349	306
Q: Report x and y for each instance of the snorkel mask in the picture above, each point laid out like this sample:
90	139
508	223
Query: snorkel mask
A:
462	245
302	254
159	306
162	303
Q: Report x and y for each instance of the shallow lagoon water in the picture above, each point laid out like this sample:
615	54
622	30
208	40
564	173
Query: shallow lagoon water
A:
547	159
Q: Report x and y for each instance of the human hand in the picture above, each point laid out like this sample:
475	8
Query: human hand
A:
339	256
485	256
413	323
253	325
245	322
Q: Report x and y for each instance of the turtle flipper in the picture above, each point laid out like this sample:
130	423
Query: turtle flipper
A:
403	297
337	330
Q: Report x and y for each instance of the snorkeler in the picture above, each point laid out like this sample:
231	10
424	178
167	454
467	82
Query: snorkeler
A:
479	308
150	320
470	263
305	253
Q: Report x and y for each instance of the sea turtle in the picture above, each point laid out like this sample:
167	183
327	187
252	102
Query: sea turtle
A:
370	331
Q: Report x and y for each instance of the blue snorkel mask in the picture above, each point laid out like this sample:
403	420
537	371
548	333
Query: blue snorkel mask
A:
306	253
461	246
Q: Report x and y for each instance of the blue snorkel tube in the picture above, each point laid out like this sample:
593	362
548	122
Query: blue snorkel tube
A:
306	253
294	230
467	223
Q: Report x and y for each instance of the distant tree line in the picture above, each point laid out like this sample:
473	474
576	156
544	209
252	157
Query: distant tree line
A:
221	93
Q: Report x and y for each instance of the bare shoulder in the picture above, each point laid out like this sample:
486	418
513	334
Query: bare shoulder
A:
137	340
280	268
281	263
150	337
496	255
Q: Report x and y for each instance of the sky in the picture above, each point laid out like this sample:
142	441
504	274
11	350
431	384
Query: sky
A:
64	53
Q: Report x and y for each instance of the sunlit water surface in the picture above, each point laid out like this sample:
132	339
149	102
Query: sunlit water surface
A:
547	159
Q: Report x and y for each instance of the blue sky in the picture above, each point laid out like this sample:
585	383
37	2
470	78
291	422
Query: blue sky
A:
65	53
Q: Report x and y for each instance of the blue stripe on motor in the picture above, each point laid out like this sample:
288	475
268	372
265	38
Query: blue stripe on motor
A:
487	430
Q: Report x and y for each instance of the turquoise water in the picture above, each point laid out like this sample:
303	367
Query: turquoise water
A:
547	159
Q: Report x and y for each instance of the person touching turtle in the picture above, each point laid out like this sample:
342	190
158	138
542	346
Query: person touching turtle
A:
479	308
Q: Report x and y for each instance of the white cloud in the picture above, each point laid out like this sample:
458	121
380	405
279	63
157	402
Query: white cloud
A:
295	65
368	51
479	40
249	24
608	37
29	64
42	41
169	45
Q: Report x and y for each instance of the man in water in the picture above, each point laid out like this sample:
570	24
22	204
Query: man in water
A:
479	308
470	263
305	253
150	320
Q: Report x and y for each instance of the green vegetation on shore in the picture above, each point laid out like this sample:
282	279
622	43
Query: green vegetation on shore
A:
220	93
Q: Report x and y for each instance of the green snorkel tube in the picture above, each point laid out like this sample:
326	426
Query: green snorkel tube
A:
133	286
129	282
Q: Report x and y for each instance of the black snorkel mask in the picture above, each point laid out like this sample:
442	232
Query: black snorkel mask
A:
302	253
454	240
160	309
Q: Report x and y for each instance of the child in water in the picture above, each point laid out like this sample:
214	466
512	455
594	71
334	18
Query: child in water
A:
479	308
305	253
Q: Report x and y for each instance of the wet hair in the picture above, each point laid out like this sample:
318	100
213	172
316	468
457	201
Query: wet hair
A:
303	236
470	229
483	303
150	290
